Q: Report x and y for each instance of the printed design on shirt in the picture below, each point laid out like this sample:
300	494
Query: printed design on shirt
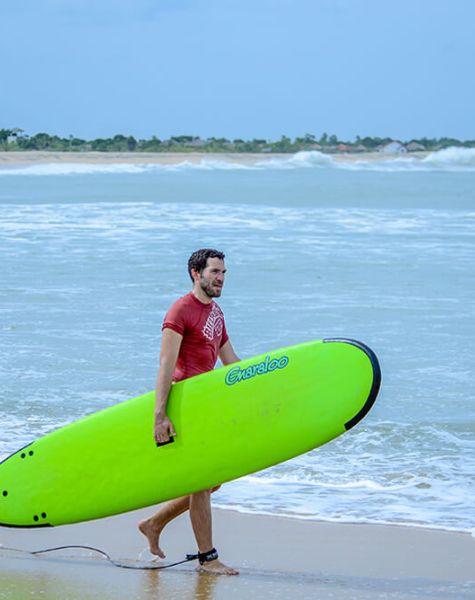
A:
214	323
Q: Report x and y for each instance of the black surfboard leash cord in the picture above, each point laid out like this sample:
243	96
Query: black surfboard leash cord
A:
202	557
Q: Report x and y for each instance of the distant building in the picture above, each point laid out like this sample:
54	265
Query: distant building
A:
415	147
196	143
15	135
343	148
168	143
393	148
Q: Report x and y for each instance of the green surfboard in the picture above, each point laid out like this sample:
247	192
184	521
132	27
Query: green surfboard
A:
230	422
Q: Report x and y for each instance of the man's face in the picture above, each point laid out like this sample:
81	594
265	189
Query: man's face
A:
211	278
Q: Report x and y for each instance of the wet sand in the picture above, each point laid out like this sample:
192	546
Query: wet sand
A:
277	558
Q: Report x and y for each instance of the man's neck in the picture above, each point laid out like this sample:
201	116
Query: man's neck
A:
201	295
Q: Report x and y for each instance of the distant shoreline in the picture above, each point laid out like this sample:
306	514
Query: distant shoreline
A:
35	157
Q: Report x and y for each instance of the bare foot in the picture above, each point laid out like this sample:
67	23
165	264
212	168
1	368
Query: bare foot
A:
217	568
152	533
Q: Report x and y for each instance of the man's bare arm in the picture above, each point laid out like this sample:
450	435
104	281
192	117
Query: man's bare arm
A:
171	342
227	354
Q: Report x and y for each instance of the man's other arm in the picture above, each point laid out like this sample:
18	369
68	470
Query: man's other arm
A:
171	342
227	354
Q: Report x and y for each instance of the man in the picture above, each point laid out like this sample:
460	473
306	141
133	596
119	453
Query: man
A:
194	335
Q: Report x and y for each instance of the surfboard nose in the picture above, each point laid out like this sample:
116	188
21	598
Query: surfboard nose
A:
376	384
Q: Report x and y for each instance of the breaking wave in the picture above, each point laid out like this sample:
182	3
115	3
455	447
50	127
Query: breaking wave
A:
450	159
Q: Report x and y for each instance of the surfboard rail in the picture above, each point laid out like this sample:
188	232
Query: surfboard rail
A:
261	411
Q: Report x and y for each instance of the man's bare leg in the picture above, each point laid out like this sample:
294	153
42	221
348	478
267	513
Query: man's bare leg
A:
201	521
153	526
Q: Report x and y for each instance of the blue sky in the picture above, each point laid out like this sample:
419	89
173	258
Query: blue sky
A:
239	68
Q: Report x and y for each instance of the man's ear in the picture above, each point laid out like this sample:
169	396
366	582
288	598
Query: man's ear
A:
195	274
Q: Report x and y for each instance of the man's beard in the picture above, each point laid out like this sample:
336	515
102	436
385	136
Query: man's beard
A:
208	288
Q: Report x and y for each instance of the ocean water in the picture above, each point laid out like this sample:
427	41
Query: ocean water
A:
93	255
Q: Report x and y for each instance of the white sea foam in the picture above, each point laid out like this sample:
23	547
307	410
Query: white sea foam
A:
450	159
48	169
310	480
309	517
300	160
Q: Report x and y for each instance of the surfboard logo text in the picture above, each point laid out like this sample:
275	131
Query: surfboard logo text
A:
236	374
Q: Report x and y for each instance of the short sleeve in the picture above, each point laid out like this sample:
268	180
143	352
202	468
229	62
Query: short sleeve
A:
175	318
225	336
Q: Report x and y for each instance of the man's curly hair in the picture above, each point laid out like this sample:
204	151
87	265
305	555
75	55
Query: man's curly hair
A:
199	259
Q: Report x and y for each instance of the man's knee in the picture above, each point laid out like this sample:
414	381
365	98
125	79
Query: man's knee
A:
201	494
205	493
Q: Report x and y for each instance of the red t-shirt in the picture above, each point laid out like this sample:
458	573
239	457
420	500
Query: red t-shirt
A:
203	330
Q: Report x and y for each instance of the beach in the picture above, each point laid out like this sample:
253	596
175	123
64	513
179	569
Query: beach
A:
93	254
277	558
170	158
324	151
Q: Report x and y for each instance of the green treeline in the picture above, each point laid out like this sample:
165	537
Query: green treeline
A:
17	140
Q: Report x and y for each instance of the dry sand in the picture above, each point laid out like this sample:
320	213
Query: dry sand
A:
277	557
8	159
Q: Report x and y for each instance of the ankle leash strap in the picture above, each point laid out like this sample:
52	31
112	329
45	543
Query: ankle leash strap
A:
204	557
